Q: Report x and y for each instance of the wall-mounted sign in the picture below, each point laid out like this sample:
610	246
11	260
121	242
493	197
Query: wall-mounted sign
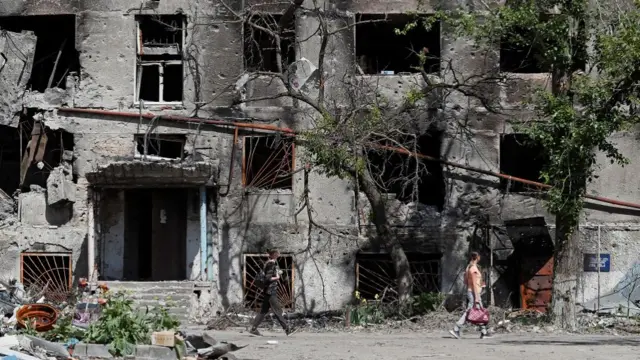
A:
591	262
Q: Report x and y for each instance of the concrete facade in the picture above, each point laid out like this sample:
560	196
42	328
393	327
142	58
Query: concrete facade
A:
106	162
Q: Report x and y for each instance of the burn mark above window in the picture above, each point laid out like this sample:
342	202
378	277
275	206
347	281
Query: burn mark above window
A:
55	55
521	157
260	48
163	146
160	67
379	50
268	162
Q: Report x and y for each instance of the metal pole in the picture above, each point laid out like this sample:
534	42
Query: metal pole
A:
203	233
599	265
91	235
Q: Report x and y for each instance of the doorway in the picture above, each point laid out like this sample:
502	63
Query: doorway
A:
155	231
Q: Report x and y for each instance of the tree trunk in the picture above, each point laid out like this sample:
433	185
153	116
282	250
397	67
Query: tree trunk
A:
565	274
404	279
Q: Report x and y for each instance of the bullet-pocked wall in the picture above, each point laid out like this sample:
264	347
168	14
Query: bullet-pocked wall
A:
128	65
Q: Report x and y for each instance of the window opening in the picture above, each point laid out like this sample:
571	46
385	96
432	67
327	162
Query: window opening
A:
260	49
46	274
268	162
55	56
521	157
160	69
253	295
376	276
379	50
164	146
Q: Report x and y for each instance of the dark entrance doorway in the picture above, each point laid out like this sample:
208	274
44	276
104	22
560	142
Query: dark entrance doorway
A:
155	236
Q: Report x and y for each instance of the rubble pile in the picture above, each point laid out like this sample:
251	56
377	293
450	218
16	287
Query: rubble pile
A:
88	322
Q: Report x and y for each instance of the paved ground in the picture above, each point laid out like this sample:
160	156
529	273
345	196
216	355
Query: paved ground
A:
357	346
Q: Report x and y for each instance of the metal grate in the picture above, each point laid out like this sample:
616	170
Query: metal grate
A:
253	295
47	274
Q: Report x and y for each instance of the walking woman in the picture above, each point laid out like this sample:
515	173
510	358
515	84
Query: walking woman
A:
474	282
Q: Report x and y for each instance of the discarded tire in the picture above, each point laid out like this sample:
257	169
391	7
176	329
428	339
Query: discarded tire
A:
41	317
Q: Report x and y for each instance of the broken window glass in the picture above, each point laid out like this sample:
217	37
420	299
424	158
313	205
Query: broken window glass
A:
160	62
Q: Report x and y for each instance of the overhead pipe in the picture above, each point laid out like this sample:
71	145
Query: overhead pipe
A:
291	132
181	119
499	175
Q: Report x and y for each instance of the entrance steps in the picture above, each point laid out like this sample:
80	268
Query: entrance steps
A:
178	297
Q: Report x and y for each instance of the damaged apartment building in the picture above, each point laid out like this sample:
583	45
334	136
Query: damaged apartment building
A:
124	157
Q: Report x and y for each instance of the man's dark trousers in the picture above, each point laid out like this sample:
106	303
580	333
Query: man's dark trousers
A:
270	302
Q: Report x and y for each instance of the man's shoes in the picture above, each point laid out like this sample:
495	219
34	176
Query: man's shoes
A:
455	333
255	332
486	336
290	330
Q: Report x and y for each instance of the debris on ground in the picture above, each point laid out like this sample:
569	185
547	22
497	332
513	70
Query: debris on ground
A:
204	346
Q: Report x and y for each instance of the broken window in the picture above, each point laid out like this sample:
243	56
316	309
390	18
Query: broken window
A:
260	47
46	274
268	162
55	56
379	50
164	146
43	150
521	157
376	276
519	53
160	66
399	174
253	295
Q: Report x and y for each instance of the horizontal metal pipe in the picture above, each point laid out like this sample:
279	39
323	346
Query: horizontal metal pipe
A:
293	133
175	118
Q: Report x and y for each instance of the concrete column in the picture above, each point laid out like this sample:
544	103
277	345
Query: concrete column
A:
91	234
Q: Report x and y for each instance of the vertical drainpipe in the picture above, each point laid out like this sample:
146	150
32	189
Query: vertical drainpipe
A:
91	234
203	233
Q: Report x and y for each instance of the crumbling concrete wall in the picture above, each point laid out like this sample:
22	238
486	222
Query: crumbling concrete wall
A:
252	222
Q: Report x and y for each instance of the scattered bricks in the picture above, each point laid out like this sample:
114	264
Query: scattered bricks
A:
155	352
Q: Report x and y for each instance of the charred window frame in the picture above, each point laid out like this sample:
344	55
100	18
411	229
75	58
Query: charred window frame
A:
165	146
380	51
521	157
268	162
260	48
160	59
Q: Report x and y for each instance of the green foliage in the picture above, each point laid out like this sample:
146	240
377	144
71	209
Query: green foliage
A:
366	312
426	302
583	110
122	327
29	329
63	331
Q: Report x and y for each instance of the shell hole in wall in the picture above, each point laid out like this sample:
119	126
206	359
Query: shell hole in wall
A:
42	150
55	55
380	50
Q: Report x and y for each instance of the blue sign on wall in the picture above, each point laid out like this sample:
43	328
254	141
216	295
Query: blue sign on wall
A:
591	262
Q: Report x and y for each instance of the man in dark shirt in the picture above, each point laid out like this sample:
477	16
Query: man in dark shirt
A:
270	300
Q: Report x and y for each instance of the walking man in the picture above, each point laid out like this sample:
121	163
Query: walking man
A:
474	283
270	301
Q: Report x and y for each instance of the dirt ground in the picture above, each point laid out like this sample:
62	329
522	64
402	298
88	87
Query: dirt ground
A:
433	345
